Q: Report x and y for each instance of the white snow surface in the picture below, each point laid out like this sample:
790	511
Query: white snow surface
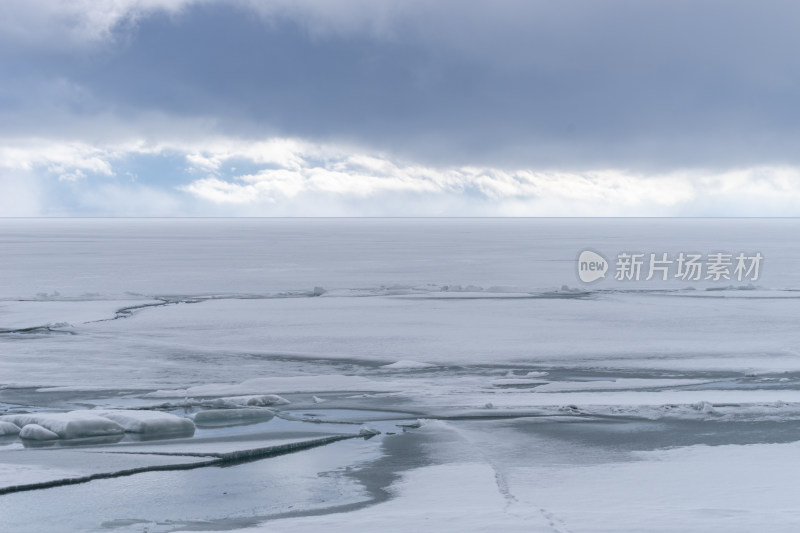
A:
147	422
7	428
260	386
100	422
730	488
408	365
22	467
61	313
72	425
489	312
621	383
36	432
445	498
361	264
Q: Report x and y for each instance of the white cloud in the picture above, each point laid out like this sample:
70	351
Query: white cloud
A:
296	177
599	192
363	182
305	169
68	160
208	155
75	22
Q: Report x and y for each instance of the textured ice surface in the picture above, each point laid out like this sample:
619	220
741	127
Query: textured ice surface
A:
147	422
231	416
62	313
448	498
51	464
407	365
7	428
72	425
259	386
36	432
556	402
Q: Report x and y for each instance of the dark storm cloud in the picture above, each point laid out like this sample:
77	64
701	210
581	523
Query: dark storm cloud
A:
651	85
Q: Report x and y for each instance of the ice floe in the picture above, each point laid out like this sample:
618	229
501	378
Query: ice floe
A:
231	402
366	431
72	425
258	400
260	386
534	374
407	364
148	422
37	432
220	417
7	428
97	423
618	384
510	382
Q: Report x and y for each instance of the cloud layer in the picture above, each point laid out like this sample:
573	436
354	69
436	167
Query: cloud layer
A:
399	107
292	177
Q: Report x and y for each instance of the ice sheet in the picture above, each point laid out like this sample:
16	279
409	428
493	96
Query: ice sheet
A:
447	498
470	321
699	488
50	310
23	467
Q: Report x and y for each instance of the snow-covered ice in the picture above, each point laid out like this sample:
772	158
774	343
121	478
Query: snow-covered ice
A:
36	432
621	383
503	393
147	422
231	416
444	498
408	365
7	428
71	425
259	386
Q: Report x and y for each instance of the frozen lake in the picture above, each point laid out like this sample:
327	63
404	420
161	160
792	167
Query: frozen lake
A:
202	375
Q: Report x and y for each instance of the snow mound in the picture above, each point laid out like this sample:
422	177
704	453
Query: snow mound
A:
72	425
704	407
407	364
536	374
259	400
223	417
432	424
503	382
318	291
148	422
37	432
7	428
230	402
366	431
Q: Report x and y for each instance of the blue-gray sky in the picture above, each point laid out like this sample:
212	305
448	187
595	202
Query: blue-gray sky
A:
399	107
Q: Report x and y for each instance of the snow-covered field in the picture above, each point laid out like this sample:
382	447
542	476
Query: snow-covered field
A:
200	375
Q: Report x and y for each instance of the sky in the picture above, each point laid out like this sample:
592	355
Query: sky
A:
399	108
